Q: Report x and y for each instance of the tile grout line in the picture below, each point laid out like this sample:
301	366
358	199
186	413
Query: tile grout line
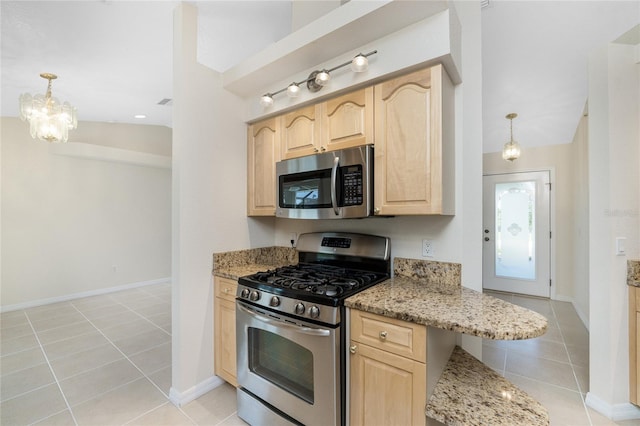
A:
53	373
575	376
127	357
167	396
138	314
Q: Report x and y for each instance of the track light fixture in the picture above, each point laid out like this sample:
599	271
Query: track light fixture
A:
318	79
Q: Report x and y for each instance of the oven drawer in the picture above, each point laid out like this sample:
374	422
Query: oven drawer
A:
225	288
399	337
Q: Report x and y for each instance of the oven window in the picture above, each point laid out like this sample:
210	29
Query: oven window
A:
309	190
282	362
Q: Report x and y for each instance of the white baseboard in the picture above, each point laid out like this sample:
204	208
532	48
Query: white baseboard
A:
67	297
615	412
179	399
584	318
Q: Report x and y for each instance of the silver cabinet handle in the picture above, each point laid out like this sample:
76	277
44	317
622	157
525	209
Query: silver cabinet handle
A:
353	349
383	335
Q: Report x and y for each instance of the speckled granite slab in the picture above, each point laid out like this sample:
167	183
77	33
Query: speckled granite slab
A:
234	264
437	272
451	308
633	272
470	393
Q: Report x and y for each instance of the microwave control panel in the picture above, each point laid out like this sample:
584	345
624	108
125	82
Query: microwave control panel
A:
352	185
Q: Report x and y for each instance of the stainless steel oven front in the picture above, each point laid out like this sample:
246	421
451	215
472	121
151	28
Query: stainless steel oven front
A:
288	369
331	185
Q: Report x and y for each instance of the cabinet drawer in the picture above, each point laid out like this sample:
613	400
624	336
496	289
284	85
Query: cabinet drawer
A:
637	292
391	335
225	288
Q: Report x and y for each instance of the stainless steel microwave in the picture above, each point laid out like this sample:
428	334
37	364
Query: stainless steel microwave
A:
331	185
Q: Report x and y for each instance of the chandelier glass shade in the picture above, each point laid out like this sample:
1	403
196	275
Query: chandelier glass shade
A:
49	120
511	150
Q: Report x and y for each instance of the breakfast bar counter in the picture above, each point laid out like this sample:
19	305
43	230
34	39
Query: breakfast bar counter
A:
467	392
448	307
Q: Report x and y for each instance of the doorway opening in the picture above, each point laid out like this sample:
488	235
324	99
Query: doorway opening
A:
517	233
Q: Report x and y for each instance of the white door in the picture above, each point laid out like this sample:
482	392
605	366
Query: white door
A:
517	233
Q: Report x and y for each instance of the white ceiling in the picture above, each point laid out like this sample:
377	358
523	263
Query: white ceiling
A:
113	58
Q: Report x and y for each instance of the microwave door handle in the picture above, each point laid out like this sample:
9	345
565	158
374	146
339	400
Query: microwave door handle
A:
334	184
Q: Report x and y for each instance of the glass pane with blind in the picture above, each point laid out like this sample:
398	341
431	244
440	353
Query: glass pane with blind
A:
515	235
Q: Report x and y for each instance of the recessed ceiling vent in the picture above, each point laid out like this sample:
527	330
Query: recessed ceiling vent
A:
166	101
484	3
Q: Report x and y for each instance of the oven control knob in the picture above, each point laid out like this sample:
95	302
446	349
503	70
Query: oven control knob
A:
254	296
245	293
314	312
299	309
275	301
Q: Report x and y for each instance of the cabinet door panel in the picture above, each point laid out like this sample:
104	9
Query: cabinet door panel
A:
301	132
408	138
386	389
637	358
414	155
634	344
349	120
225	340
262	155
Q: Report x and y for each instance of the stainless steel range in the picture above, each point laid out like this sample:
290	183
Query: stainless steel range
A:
290	346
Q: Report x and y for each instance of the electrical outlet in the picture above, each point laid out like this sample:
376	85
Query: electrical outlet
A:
292	238
428	248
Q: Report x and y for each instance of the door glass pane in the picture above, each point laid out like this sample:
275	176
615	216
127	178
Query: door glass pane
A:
515	230
282	362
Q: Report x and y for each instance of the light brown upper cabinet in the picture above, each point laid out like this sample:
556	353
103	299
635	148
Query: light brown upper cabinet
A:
414	150
301	132
347	121
263	151
339	123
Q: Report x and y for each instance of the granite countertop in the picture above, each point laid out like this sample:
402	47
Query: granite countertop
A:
235	272
432	295
633	273
470	393
235	264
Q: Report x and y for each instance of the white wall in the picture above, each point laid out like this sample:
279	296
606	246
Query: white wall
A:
580	220
77	226
208	206
614	87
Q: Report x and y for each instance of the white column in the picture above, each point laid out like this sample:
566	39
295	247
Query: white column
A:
614	139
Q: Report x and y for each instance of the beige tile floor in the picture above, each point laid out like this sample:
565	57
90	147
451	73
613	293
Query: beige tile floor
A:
553	368
106	360
103	360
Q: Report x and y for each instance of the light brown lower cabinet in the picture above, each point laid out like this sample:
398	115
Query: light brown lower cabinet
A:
388	371
225	329
634	342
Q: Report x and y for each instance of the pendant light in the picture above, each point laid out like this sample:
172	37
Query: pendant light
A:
511	150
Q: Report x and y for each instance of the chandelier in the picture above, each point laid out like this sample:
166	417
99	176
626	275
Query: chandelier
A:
49	120
511	150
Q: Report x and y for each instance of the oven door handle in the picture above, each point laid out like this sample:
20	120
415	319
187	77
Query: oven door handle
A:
334	184
300	329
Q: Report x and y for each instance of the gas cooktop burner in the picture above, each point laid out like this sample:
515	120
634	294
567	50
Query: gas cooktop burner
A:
331	268
322	280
